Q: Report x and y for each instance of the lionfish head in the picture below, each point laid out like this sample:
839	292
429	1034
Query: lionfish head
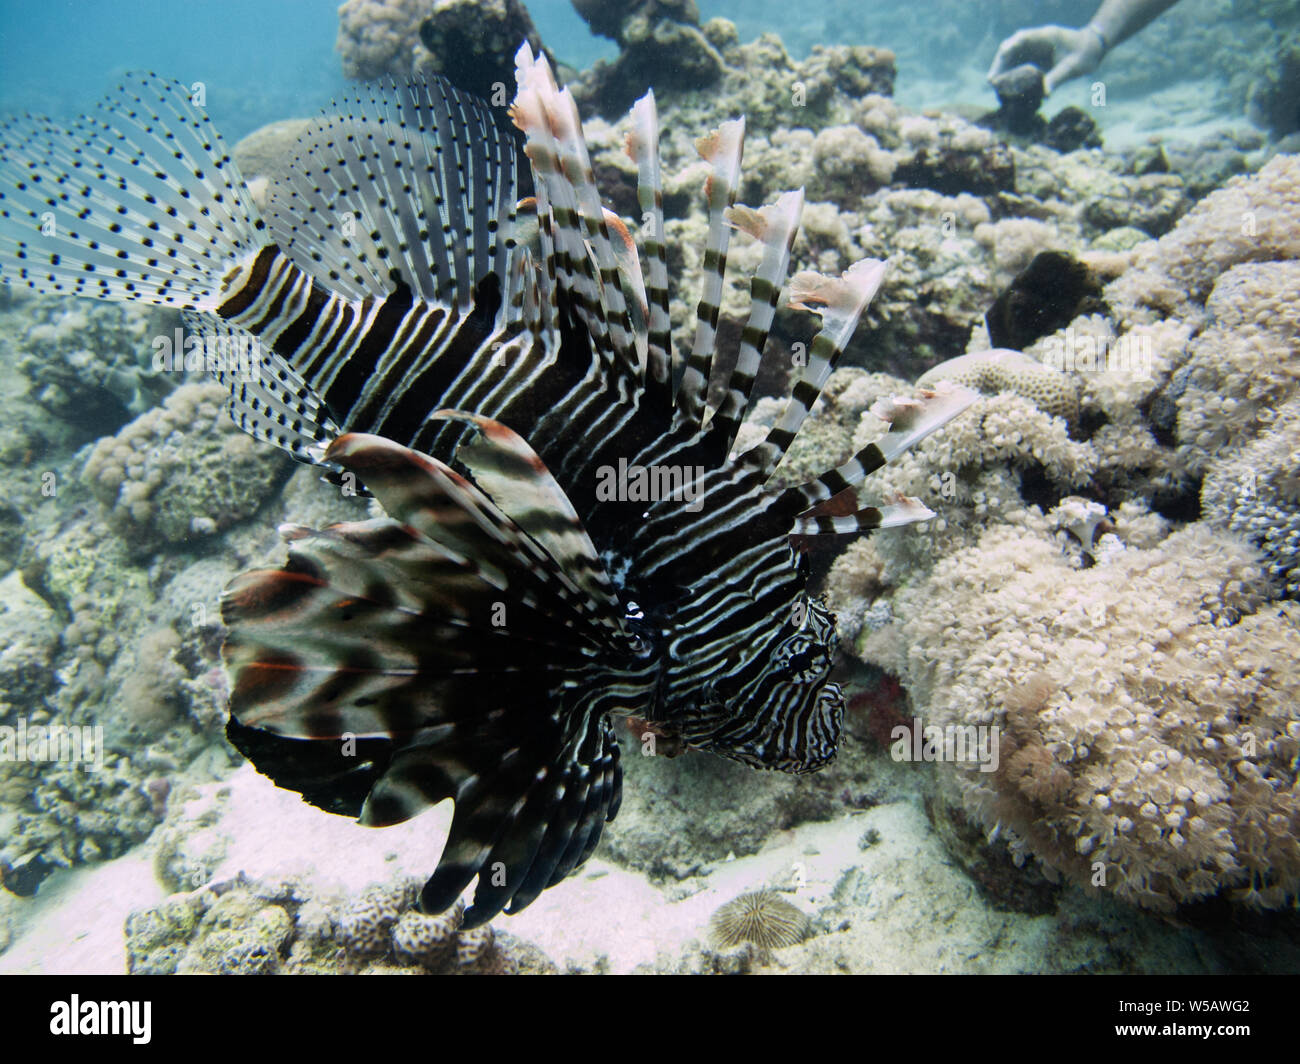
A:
794	685
780	710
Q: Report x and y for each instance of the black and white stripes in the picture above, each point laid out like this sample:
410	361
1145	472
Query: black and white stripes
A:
476	642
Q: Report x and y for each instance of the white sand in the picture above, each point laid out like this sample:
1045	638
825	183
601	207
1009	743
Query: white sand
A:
920	913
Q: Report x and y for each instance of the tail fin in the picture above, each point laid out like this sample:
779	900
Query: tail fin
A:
138	201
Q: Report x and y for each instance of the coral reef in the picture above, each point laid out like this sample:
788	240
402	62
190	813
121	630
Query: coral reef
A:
1047	295
31	640
1251	219
1255	493
1131	655
1243	367
1101	581
181	472
245	927
239	935
1003	370
266	155
470	42
1148	738
659	831
90	365
66	813
960	158
365	925
1274	100
660	42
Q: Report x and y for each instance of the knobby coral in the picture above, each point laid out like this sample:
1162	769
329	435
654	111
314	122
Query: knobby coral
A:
1256	493
181	472
1149	729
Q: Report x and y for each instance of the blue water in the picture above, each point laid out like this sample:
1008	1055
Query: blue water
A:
261	60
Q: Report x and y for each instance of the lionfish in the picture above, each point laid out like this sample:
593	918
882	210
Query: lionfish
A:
479	374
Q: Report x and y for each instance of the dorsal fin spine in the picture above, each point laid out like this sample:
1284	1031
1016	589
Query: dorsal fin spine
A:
723	149
643	146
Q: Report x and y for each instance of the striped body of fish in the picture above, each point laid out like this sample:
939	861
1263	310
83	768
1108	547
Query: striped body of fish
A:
477	642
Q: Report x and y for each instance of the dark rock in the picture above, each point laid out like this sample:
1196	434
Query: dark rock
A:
1288	145
1020	93
608	18
1152	203
1208	164
1007	887
1071	129
1053	290
950	170
661	44
721	33
473	44
11	536
24	876
1148	159
670	56
1274	101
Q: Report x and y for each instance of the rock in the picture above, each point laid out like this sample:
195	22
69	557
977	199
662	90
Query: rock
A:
1274	101
1149	159
11	535
1152	203
240	935
178	462
609	18
1071	129
1121	238
157	939
1053	290
1008	888
23	877
1020	93
29	640
959	165
472	43
266	155
855	70
671	56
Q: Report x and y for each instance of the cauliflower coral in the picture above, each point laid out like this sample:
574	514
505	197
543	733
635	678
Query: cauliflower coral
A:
1147	708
